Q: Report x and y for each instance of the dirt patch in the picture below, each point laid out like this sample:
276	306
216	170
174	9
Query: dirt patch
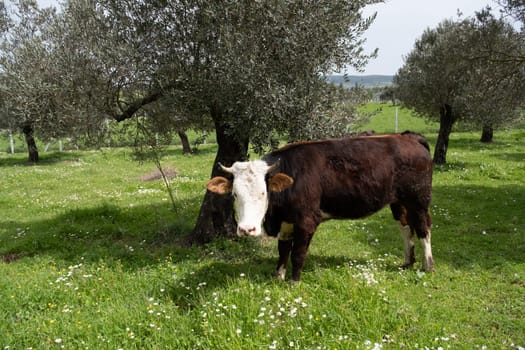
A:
169	172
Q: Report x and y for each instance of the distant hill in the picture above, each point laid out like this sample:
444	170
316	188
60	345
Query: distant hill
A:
367	81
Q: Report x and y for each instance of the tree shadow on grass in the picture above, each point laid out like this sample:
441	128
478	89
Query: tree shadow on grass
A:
473	227
136	236
45	159
465	141
511	156
478	225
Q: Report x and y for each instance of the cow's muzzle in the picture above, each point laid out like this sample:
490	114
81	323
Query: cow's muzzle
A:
247	230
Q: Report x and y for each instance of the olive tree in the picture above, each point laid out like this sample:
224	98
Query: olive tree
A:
254	68
495	91
455	74
432	77
27	91
41	88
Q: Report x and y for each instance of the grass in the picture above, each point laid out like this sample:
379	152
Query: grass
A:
383	120
90	259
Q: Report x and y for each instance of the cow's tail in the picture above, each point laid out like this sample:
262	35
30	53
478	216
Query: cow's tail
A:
418	137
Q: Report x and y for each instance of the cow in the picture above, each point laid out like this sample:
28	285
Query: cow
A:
290	191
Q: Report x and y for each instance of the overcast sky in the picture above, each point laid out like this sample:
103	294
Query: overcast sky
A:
397	26
400	22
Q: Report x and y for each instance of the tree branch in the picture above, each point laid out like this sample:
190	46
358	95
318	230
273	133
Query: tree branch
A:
136	105
152	96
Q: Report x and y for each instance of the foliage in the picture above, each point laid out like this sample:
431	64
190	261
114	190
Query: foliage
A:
259	63
337	121
464	64
516	9
433	71
36	90
24	93
494	93
388	94
98	264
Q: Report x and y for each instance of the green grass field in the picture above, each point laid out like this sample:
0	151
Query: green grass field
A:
383	120
90	258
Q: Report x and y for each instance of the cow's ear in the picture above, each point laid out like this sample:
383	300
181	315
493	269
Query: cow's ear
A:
220	185
279	182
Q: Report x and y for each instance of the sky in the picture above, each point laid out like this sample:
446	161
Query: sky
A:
399	23
397	26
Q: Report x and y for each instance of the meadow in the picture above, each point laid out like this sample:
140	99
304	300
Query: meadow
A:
92	257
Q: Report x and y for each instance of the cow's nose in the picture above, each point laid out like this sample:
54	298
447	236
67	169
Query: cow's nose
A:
246	230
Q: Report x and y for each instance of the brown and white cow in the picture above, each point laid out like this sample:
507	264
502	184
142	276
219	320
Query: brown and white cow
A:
293	189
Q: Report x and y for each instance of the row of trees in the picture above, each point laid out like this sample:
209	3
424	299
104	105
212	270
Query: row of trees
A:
251	70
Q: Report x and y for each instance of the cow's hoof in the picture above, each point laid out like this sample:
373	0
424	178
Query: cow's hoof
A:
279	275
428	264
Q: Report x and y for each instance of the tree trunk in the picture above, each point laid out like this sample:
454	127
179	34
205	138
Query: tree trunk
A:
186	148
28	131
487	134
216	217
446	121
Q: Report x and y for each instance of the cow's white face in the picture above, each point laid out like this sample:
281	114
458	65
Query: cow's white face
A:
250	191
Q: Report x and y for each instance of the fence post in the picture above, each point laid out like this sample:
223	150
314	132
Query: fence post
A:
395	122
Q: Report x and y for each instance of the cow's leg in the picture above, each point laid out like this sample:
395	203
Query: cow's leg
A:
299	251
421	223
284	247
428	260
303	234
400	214
407	234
